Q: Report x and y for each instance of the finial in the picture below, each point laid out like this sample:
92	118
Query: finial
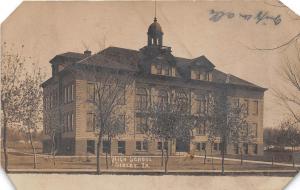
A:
155	11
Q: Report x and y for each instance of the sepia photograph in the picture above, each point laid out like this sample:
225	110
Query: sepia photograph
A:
151	90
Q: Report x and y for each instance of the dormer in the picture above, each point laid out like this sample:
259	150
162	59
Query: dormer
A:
201	69
163	69
163	64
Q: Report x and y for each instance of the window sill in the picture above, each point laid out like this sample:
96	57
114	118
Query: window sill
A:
141	151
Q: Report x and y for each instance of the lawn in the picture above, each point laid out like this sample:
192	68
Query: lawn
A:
21	161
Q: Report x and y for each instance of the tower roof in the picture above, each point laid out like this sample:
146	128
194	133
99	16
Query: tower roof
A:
155	29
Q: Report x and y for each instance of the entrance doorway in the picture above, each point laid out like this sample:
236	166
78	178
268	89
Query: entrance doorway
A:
182	145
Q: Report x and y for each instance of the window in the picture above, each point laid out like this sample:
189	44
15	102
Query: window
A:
159	69
167	70
72	122
197	74
201	130
198	146
245	147
236	148
91	91
68	122
122	98
69	93
121	123
247	106
141	99
121	147
90	122
106	147
141	124
66	95
141	145
65	121
203	147
215	146
90	146
255	107
221	147
202	104
201	75
253	129
207	76
72	92
163	98
255	148
182	100
235	102
159	145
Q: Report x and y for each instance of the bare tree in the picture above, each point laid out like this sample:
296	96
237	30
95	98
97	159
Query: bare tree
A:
242	133
32	105
171	120
207	118
289	135
106	93
52	121
115	126
12	94
271	139
290	98
228	119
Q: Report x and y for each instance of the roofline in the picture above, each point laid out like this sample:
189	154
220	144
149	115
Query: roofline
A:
190	81
45	83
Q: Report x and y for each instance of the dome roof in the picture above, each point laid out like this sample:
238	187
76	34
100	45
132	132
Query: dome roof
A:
155	29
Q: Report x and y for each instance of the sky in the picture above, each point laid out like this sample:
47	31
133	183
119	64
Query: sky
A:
50	28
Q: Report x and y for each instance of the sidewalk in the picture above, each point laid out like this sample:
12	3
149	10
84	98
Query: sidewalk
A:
160	172
251	161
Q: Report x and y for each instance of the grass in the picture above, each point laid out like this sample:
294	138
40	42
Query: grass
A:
19	161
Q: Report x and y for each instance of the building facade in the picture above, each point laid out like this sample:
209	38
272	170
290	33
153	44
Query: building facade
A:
69	115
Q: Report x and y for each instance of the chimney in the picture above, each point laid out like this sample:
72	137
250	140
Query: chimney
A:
87	53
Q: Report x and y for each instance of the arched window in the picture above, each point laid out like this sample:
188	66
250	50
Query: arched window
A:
167	70
182	100
202	103
159	69
163	98
141	99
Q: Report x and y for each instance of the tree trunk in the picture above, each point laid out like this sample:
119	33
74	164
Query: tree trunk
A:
106	159
204	156
4	146
98	152
33	149
293	159
223	156
162	153
167	159
110	151
241	151
53	151
211	154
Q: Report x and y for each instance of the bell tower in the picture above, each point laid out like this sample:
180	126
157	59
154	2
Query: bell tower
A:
155	34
